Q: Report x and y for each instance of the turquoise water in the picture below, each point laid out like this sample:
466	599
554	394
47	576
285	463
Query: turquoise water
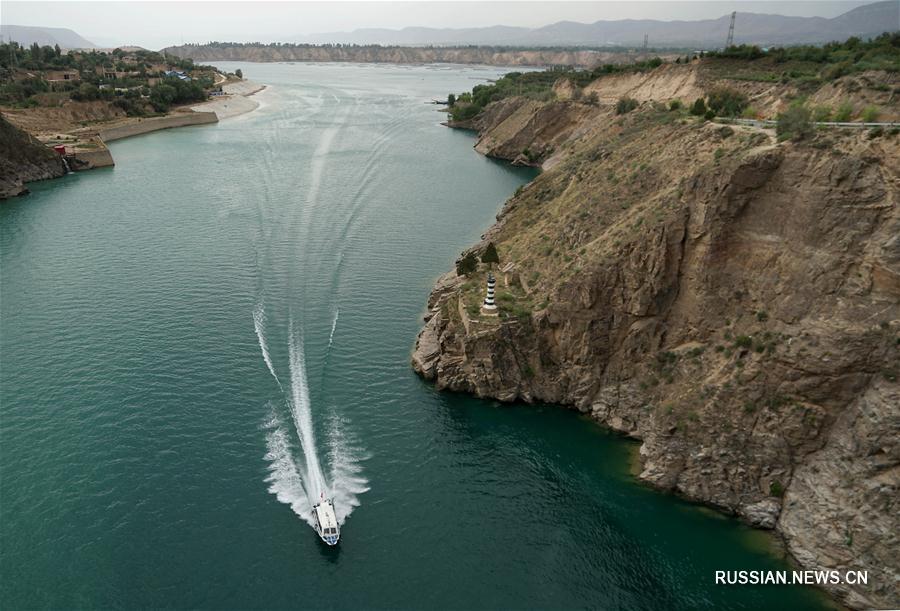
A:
150	458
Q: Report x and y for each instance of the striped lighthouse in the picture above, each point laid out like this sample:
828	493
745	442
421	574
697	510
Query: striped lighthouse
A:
489	306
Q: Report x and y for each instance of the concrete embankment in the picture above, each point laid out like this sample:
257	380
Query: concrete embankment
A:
98	158
144	126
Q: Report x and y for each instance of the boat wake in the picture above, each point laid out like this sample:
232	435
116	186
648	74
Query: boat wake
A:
259	323
334	322
297	478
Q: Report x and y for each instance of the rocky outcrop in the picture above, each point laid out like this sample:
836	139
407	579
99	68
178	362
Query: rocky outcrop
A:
24	159
731	301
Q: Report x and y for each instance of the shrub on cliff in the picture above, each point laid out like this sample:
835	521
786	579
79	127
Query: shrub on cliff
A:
466	265
699	107
795	124
625	105
727	102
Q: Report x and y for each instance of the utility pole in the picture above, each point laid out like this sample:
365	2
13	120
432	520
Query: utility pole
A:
730	41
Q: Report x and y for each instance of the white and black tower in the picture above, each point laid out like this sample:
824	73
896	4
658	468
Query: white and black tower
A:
489	307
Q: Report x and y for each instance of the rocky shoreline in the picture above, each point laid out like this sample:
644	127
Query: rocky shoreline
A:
730	301
24	159
31	159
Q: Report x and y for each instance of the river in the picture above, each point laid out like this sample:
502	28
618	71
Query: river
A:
204	338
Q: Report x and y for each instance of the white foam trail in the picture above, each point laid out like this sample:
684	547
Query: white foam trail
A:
337	313
347	482
284	477
300	410
259	321
287	479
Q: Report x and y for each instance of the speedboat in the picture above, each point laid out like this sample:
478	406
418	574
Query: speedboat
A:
326	521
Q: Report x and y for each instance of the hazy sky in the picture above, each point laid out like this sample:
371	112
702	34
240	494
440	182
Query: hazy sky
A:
158	24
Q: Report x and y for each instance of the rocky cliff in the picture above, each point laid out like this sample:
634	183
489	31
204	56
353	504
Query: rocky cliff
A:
731	301
483	55
24	159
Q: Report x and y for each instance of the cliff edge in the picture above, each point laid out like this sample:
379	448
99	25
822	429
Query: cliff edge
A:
730	300
24	159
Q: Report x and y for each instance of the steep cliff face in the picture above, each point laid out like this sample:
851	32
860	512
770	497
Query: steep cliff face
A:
497	56
731	301
24	159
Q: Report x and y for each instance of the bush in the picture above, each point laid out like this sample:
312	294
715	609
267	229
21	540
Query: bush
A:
821	114
699	107
743	341
86	93
794	124
727	102
239	73
776	489
463	112
675	105
625	105
844	112
710	115
870	114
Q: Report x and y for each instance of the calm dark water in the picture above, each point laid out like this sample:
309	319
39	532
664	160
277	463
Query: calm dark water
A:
150	458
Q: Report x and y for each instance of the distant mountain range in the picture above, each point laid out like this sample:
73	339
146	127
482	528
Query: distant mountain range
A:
27	35
751	28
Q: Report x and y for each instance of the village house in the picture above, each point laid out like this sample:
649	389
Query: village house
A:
58	77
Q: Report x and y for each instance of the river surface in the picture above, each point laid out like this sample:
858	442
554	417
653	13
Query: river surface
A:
202	340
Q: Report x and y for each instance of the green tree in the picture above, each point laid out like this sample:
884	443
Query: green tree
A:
699	107
466	265
451	99
86	92
239	73
490	255
727	102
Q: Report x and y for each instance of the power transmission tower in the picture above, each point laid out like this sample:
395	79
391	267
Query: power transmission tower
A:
645	43
730	41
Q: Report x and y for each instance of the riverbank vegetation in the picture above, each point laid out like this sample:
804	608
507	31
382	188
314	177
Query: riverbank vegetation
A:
139	82
802	70
535	85
807	66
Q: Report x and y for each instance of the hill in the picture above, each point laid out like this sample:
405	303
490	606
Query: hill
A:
28	35
752	28
726	295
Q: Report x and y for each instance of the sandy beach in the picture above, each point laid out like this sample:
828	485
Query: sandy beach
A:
236	102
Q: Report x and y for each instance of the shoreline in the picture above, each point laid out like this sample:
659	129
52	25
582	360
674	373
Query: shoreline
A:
86	147
237	101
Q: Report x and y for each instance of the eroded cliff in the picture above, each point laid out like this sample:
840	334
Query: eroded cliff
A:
24	159
731	301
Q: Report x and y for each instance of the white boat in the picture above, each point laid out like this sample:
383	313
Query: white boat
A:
326	521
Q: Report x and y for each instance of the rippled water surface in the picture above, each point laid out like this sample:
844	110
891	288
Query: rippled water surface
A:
201	340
